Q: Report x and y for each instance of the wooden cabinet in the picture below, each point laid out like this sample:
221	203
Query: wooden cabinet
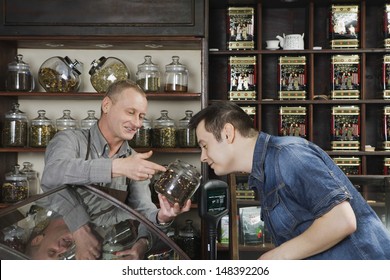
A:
120	17
310	18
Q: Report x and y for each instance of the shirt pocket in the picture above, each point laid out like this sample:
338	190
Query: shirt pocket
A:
280	218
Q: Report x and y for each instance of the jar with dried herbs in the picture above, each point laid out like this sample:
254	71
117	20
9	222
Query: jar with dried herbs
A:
42	130
185	136
15	128
148	75
164	131
60	74
15	187
142	139
176	76
19	77
107	70
66	122
189	240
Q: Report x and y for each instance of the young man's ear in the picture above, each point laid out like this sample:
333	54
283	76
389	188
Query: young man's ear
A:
228	133
37	240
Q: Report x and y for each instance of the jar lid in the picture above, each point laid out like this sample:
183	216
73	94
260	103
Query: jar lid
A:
41	119
16	175
147	65
96	64
175	65
15	113
18	64
187	118
66	119
164	119
75	66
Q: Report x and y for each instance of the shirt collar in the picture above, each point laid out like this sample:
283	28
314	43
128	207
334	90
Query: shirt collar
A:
259	157
101	145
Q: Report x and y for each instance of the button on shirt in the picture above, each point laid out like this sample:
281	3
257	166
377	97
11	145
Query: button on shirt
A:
297	183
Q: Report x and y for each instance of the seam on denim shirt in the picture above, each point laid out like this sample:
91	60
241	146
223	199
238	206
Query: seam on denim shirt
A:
340	197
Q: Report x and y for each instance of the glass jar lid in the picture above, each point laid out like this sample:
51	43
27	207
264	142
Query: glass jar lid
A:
184	121
175	65
147	65
15	113
41	119
74	65
164	119
66	119
18	64
16	175
96	64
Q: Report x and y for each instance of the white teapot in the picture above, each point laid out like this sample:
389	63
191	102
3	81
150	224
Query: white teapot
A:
291	41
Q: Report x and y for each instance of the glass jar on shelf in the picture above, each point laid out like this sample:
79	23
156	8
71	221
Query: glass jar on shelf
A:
163	132
142	139
60	74
186	137
15	128
66	122
15	187
19	77
188	240
89	121
148	75
32	178
107	70
176	76
42	130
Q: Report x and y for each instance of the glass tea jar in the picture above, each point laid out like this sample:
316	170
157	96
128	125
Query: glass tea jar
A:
89	121
60	74
142	139
66	122
186	137
179	182
189	240
176	76
107	70
19	77
32	178
163	132
15	187
42	130
15	128
148	75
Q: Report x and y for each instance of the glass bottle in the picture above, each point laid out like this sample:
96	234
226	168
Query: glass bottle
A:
89	121
107	70
148	75
42	130
179	182
15	128
15	187
176	76
142	138
189	240
186	137
66	122
60	74
19	77
32	178
164	131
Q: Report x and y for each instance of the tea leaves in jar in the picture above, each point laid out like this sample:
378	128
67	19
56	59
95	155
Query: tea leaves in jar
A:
103	78
164	137
15	133
41	135
53	81
14	192
186	137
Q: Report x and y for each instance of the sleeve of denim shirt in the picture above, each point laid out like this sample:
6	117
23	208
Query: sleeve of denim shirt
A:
65	164
312	178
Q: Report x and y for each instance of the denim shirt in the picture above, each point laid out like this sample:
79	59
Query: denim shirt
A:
297	183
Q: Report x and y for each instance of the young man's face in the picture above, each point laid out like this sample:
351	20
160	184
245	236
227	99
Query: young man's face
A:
215	154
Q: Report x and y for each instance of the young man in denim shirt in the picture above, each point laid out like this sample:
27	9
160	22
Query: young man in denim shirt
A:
309	205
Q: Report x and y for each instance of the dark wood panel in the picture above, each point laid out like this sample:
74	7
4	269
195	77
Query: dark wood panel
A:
101	17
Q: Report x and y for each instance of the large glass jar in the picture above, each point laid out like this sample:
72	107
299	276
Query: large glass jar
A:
189	240
148	75
176	76
19	77
186	137
66	122
15	128
164	130
32	178
142	139
179	182
89	121
42	130
60	74
15	187
105	71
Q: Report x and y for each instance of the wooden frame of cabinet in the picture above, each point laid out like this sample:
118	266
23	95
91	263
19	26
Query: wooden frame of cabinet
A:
308	17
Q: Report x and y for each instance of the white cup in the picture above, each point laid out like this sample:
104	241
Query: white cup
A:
272	44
